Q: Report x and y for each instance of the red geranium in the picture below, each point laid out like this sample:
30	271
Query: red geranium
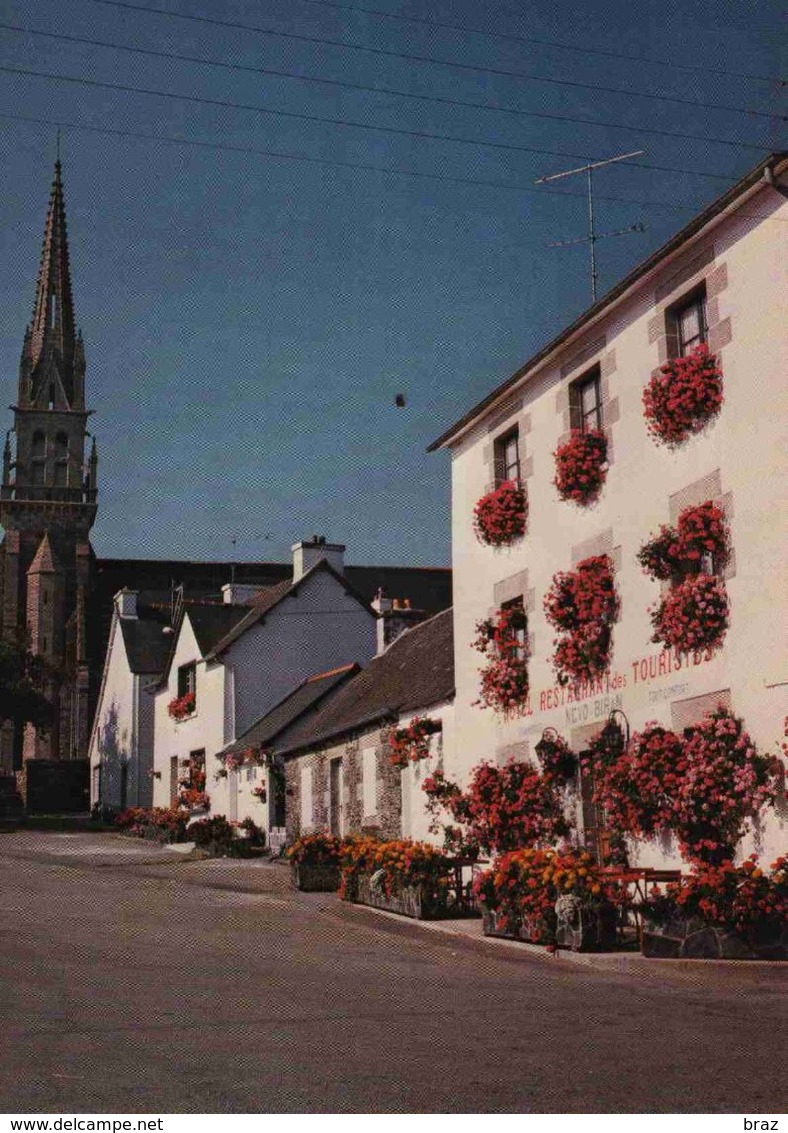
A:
412	743
182	706
683	397
504	679
693	615
500	517
581	466
582	605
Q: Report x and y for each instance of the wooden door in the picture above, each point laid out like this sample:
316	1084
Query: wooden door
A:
596	836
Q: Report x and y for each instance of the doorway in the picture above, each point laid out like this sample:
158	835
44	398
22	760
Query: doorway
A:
335	797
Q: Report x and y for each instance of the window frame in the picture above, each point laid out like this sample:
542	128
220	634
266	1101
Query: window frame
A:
521	635
578	416
187	680
693	300
507	471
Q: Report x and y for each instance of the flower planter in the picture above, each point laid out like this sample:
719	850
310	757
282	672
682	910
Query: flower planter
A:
311	878
530	930
585	928
410	901
694	938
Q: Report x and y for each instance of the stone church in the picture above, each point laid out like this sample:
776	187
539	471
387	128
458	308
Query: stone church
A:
47	507
56	597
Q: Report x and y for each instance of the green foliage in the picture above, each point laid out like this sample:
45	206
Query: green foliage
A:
23	678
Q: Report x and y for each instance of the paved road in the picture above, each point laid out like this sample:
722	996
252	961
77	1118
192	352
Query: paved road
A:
138	983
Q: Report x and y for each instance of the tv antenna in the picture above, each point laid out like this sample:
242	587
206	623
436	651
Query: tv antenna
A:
593	236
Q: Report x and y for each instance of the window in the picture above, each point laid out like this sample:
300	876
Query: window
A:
187	680
507	457
585	402
688	324
519	625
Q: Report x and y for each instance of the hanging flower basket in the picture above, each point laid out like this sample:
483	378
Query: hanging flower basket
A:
557	759
412	743
500	517
683	397
693	616
504	679
582	606
581	466
701	533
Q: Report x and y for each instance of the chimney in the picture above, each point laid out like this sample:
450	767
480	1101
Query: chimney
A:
310	551
126	602
395	615
239	593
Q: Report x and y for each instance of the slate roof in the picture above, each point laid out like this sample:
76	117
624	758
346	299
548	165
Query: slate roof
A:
428	588
147	646
416	671
268	599
301	700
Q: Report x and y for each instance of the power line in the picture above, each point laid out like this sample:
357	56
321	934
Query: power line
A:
512	38
387	53
365	126
376	90
256	109
363	166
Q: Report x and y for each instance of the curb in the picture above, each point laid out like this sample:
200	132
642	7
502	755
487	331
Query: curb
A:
632	962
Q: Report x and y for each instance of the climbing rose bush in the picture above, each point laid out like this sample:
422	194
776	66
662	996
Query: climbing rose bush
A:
693	615
500	517
683	397
581	466
705	786
582	605
502	808
504	679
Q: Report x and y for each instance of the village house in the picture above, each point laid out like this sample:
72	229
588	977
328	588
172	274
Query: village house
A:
631	460
337	758
121	741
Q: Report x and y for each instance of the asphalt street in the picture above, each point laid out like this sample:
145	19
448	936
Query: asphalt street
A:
136	981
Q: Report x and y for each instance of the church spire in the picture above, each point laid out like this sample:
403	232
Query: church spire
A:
52	370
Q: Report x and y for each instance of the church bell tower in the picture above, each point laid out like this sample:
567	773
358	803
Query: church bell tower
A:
48	506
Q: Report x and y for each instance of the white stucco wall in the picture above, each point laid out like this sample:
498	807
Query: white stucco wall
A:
318	629
203	729
122	731
415	820
747	444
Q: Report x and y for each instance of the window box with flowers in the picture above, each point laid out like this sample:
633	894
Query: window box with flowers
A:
581	466
582	606
693	615
500	517
503	640
683	397
182	707
412	743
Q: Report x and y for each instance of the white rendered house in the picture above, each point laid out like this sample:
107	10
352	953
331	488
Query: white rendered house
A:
722	280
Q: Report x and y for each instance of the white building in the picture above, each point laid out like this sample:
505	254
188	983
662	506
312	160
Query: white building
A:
722	279
121	741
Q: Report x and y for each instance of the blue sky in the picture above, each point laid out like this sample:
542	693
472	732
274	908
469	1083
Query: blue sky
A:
248	318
